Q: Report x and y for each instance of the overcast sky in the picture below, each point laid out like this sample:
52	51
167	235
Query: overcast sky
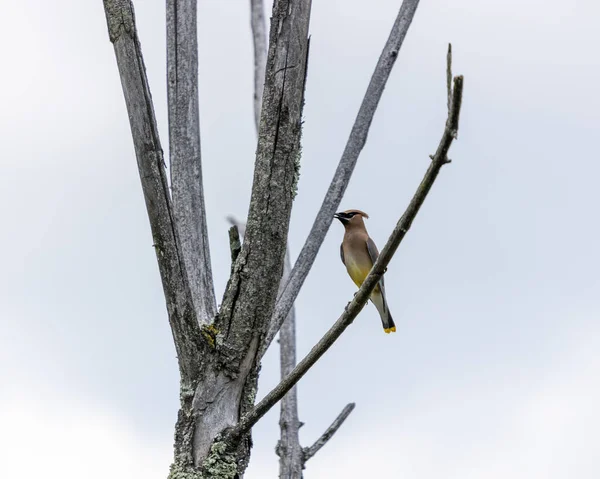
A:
494	371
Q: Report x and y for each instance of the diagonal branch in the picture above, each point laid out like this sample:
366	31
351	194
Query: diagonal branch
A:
259	37
361	297
341	178
309	452
184	149
182	317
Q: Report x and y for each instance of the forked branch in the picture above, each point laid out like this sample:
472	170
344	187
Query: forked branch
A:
182	315
439	159
341	178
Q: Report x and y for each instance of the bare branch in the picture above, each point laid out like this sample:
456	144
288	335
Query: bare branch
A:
252	291
341	178
235	245
309	452
361	297
240	225
182	317
259	36
184	149
449	76
288	447
289	450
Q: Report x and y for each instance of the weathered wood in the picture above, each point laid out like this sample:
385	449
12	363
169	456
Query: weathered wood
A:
184	150
288	449
182	317
219	357
250	295
259	40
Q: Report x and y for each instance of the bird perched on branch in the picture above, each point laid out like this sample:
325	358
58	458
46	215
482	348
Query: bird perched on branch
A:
358	252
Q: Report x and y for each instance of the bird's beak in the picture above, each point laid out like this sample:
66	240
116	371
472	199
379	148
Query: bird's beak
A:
342	218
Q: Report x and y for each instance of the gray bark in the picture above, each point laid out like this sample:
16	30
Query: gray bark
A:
182	317
292	457
291	461
341	177
218	362
184	149
288	448
259	40
219	359
252	290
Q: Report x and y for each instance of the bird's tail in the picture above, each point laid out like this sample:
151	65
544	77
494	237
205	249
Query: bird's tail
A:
386	317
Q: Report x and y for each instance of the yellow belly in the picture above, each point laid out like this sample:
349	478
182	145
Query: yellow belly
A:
357	273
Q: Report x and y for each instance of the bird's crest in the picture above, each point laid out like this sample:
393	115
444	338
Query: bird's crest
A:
356	212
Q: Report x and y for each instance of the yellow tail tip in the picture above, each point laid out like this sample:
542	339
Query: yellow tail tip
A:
390	330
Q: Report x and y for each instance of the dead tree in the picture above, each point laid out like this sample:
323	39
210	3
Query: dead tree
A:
219	351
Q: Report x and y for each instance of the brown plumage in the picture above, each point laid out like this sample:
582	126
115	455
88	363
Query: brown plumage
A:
359	253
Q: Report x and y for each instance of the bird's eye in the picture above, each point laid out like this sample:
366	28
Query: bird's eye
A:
351	215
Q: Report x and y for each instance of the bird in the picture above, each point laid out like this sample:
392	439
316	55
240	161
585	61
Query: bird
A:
359	253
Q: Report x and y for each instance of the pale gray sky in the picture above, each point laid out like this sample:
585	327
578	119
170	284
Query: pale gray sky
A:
494	371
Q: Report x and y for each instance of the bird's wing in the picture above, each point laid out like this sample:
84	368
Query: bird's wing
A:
374	254
342	253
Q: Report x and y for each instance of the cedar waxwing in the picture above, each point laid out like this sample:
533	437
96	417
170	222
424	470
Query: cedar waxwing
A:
359	253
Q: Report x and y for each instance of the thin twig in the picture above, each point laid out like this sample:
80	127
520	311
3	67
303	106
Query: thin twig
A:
259	37
309	452
361	297
341	178
184	150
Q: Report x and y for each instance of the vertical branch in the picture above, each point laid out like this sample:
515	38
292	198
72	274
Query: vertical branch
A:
291	454
259	37
449	76
288	448
341	178
182	317
184	149
252	290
